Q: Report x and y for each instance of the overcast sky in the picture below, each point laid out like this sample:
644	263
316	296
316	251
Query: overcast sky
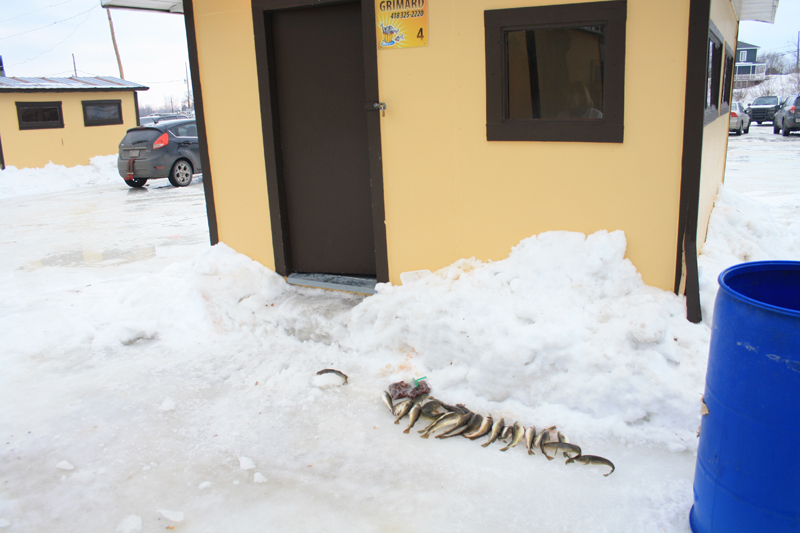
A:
38	38
778	36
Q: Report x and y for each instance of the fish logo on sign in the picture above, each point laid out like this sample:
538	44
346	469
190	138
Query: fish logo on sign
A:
391	35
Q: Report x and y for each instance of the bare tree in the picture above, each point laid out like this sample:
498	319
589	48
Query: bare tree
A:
776	62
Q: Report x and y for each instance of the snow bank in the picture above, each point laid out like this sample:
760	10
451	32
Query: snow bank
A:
562	332
14	182
741	229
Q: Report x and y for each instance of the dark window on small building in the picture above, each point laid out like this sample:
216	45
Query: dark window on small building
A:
713	74
727	81
39	115
556	73
102	112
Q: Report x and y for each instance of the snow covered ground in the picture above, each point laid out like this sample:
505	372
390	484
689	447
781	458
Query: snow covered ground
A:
150	381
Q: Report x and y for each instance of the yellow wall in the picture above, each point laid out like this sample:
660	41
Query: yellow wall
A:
450	193
715	134
72	145
228	75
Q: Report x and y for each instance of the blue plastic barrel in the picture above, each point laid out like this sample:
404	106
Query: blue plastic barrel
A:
747	476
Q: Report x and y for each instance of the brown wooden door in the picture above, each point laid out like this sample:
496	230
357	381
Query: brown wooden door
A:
318	68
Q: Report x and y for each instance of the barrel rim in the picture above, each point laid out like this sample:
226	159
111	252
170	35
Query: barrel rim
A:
756	266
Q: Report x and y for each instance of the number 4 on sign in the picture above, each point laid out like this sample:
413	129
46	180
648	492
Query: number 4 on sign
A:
420	35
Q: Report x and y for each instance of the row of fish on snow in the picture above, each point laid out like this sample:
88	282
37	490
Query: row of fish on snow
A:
459	420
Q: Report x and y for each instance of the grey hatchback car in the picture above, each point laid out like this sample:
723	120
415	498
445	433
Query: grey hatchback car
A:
168	149
787	119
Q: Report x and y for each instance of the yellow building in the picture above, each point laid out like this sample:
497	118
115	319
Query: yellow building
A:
390	136
66	121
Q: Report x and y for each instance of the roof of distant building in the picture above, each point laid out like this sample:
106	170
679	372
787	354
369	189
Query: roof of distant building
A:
97	83
741	45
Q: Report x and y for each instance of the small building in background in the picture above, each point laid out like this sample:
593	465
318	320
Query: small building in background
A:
748	70
66	121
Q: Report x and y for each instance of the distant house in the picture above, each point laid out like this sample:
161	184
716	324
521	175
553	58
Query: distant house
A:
64	120
748	69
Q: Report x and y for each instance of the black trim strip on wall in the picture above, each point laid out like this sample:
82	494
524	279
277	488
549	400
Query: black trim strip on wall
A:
194	67
2	159
371	91
696	76
136	107
271	131
281	244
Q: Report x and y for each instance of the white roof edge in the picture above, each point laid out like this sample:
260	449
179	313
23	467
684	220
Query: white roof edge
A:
757	10
165	6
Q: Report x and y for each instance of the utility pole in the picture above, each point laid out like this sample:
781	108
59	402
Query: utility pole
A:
114	40
188	92
74	68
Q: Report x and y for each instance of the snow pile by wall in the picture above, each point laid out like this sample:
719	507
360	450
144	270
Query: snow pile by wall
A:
14	182
562	332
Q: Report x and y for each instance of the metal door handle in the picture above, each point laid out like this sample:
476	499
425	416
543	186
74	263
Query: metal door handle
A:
380	106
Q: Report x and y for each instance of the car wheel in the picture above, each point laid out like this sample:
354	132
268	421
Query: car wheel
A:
747	129
775	128
785	131
181	173
136	183
739	131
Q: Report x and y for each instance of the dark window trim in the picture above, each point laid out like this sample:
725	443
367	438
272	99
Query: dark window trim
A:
712	112
613	14
200	120
53	124
2	158
87	122
269	117
727	80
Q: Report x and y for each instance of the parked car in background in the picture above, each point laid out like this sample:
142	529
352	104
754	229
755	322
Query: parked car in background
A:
159	117
168	149
763	109
786	118
740	120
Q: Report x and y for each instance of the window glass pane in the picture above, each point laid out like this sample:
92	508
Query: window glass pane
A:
39	114
555	73
102	112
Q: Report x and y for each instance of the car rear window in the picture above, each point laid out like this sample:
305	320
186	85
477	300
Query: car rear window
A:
766	100
141	136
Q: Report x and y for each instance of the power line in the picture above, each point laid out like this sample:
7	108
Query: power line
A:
51	24
40	9
55	45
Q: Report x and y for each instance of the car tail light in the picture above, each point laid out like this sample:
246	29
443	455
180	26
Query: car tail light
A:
733	114
791	110
163	140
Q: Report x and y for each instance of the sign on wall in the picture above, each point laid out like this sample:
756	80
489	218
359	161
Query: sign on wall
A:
401	23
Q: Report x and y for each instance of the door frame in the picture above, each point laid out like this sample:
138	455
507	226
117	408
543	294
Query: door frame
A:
271	130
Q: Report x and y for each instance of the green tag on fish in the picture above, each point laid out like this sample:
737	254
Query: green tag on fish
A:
416	381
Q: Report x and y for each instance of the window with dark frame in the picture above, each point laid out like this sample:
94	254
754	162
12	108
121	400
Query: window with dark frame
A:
102	112
727	80
39	115
713	74
556	73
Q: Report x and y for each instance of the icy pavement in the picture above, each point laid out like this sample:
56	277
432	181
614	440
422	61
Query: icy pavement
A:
152	382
